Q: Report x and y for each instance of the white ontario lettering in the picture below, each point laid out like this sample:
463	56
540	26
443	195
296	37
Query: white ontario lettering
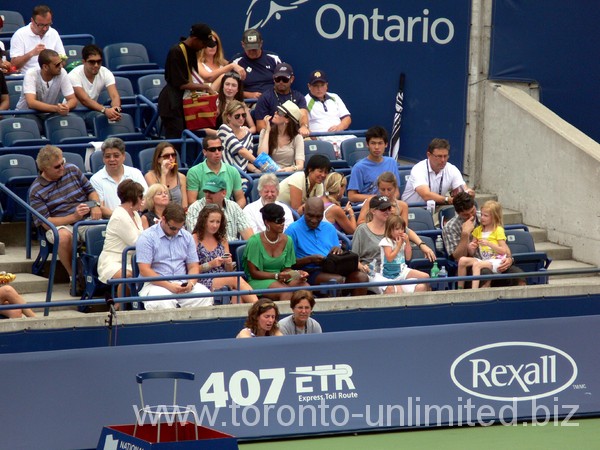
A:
341	21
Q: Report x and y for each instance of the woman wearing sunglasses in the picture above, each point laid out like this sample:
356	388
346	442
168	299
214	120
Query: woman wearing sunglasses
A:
165	171
269	256
237	138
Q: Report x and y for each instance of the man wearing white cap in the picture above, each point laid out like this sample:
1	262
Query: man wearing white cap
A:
281	92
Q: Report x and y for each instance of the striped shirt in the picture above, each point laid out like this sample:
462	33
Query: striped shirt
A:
236	220
59	198
233	145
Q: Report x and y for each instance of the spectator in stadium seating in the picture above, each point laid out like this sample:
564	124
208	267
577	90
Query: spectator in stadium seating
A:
4	96
343	219
60	194
212	65
298	187
232	88
258	64
4	64
387	186
300	322
210	236
281	93
9	296
262	320
155	202
215	191
167	249
281	140
106	180
327	112
363	177
29	41
89	79
268	189
269	256
164	170
237	138
213	164
457	235
43	86
315	238
181	60
123	230
435	178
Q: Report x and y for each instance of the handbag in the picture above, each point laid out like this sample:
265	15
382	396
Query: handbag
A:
343	263
199	109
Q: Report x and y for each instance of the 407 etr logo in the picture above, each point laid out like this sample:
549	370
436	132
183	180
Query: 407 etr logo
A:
246	387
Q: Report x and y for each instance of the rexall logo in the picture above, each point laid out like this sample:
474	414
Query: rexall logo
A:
514	371
261	11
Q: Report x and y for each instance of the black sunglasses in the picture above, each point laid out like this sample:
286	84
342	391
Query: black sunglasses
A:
214	149
282	79
278	220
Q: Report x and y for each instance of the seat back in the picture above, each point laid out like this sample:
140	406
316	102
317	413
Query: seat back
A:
94	243
124	88
151	85
13	20
73	53
15	89
445	214
319	148
97	161
68	129
127	56
124	128
404	175
239	257
522	248
17	172
419	219
353	150
20	131
76	159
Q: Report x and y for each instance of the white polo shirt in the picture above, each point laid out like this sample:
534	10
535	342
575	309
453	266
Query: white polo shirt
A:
24	40
106	187
441	183
324	115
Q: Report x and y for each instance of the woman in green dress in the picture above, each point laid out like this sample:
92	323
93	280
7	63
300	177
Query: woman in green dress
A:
269	256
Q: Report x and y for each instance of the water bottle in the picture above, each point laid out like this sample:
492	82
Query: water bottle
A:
443	273
439	245
435	270
372	267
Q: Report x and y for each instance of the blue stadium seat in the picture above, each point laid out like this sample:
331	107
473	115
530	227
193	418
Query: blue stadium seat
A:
419	219
15	88
128	56
124	88
124	128
69	129
404	174
94	242
13	20
445	214
76	159
522	248
20	131
239	256
353	150
312	147
150	86
421	263
73	53
17	172
97	161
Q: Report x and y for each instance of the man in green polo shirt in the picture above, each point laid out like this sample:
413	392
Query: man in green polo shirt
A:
213	163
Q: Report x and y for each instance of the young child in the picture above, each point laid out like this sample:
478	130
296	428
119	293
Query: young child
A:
490	240
395	251
213	252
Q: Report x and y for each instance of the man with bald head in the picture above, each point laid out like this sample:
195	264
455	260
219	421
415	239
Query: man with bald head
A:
315	238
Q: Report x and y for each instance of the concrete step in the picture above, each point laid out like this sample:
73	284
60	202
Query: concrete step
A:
511	216
27	283
555	251
565	264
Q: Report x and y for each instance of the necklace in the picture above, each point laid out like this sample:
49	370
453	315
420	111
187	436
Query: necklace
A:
269	240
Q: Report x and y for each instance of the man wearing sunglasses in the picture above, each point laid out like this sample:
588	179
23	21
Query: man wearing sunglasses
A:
29	41
89	79
267	104
43	86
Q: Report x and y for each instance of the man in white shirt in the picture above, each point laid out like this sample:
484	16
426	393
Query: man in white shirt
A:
435	178
106	180
268	189
89	79
29	41
42	87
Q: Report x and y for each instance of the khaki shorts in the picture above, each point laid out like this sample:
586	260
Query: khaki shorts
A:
80	232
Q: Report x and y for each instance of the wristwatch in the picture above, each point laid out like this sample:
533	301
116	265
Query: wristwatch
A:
103	110
96	205
446	200
277	276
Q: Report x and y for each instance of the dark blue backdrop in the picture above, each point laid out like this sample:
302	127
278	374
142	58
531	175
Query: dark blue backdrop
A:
556	44
364	72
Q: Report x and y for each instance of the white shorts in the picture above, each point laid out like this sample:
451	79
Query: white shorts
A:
80	232
150	290
407	288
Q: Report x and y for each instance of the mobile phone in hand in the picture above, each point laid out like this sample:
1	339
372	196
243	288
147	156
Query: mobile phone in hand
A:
226	255
184	284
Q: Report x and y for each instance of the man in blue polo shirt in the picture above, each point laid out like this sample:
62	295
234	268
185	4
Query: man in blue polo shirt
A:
363	178
314	238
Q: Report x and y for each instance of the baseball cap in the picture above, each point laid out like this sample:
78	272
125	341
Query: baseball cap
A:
290	109
204	33
317	76
380	203
214	184
252	39
283	70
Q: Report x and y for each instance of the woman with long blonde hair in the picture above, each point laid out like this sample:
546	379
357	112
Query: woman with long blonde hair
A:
212	64
343	219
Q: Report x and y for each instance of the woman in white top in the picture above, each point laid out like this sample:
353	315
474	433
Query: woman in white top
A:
212	64
298	187
237	138
123	230
281	140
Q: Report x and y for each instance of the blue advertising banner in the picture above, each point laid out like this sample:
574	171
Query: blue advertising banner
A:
543	371
361	46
